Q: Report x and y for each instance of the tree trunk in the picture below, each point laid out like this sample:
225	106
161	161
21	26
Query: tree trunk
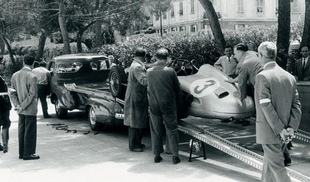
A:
41	45
63	28
284	22
98	33
161	24
214	24
15	68
305	41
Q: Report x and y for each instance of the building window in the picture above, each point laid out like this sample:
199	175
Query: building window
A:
181	29
173	29
156	17
240	26
192	6
165	15
295	6
260	6
240	6
181	8
172	12
193	28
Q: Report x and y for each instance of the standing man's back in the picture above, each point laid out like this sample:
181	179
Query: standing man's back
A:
163	88
24	98
278	113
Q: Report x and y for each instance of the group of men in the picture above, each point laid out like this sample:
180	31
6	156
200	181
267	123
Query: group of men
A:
278	109
157	88
27	85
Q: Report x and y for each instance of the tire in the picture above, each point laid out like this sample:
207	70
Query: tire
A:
61	113
117	78
92	119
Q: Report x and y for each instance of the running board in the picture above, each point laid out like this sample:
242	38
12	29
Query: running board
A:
251	158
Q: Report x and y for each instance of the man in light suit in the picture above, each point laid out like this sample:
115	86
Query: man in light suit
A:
302	65
277	115
24	98
227	63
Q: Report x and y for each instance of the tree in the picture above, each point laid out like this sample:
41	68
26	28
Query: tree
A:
214	24
63	28
306	31
284	22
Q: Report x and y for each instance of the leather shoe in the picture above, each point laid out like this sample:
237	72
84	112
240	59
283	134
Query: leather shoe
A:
20	157
287	161
31	157
136	150
157	159
142	146
1	148
176	160
47	116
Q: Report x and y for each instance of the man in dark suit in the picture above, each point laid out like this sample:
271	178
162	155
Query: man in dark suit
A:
5	107
162	91
302	65
277	115
24	98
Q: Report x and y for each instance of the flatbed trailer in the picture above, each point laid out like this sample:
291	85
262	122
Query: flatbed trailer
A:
240	142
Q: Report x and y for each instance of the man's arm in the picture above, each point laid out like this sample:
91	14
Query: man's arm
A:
32	94
218	64
13	92
242	81
140	74
295	111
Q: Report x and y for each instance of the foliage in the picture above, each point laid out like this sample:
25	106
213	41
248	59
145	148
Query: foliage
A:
198	46
50	50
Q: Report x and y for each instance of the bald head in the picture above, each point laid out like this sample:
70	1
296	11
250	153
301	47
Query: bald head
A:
162	54
268	50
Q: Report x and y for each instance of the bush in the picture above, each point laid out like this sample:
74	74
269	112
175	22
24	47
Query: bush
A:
198	46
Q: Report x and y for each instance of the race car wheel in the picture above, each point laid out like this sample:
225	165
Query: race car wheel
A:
117	79
61	113
94	125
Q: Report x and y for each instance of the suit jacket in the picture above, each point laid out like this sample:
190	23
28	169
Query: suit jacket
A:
5	104
136	105
277	103
300	72
247	73
24	91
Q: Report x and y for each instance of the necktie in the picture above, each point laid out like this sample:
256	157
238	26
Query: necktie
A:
304	63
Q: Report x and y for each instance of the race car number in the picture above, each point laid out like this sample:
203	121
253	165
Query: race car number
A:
203	87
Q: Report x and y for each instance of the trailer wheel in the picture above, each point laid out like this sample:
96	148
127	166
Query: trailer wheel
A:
117	79
61	113
94	125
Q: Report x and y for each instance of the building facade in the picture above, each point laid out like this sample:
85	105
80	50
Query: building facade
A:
190	16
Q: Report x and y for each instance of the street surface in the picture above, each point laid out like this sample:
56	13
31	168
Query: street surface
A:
104	156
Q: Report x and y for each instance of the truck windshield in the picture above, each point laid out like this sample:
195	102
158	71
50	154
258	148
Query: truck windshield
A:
70	67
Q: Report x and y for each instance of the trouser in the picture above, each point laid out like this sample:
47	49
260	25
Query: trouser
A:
273	166
135	137
42	90
157	124
27	134
5	124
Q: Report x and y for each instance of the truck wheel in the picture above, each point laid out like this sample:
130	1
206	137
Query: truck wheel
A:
117	78
60	112
94	125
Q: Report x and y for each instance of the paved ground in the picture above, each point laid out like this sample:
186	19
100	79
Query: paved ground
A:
105	157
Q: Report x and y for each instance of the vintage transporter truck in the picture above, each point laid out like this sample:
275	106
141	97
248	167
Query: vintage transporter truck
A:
87	82
80	81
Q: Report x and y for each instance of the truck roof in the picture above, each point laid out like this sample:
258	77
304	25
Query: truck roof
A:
83	56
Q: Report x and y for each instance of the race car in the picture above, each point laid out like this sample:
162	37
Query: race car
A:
212	96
